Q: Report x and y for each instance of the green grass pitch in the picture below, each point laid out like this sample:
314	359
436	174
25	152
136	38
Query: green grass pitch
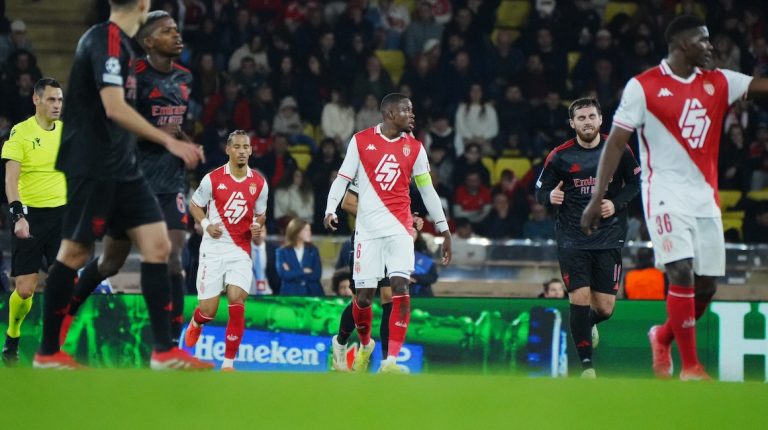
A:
142	399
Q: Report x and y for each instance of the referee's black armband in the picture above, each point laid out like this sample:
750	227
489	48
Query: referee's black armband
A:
17	210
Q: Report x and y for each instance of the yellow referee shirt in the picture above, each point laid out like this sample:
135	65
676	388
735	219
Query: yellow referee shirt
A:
40	184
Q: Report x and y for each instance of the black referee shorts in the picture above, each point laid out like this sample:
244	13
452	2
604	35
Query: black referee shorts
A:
599	269
28	256
97	206
174	209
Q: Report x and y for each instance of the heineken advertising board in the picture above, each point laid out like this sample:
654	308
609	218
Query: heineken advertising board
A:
446	335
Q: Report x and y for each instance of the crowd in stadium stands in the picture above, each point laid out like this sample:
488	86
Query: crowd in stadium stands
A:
490	88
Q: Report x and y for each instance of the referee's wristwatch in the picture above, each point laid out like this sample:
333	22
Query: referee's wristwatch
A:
17	210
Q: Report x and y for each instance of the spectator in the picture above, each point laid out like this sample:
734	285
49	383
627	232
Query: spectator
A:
734	169
470	162
514	112
206	41
263	106
324	164
374	81
353	60
368	115
540	226
605	83
758	157
214	141
534	81
20	106
255	49
504	61
327	51
284	80
442	10
391	20
277	162
298	262
314	89
603	48
238	33
261	140
502	222
472	200
422	29
307	35
234	105
294	198
425	81
425	270
464	229
458	79
510	145
553	289
550	120
265	278
247	77
644	282
296	12
287	120
553	59
208	80
441	163
641	58
441	135
338	118
341	281
476	122
15	41
352	28
463	26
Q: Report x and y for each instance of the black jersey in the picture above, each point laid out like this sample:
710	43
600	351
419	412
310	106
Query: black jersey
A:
163	99
576	166
92	145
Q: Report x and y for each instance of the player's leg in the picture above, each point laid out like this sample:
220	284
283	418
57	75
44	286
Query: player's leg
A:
178	239
606	275
116	250
385	295
368	270
346	323
575	267
210	282
708	262
238	279
399	262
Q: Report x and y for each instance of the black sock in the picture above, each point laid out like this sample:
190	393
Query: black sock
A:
89	279
581	330
346	325
156	288
596	317
58	291
386	310
177	298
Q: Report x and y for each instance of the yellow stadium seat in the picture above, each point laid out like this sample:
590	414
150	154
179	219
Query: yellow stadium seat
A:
393	61
488	163
614	8
514	34
512	14
733	223
573	59
729	198
409	4
518	166
733	214
302	159
758	194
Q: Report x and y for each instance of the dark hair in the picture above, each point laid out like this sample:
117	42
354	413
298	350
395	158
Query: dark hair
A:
391	99
236	133
582	103
149	25
553	280
339	276
680	24
45	82
468	98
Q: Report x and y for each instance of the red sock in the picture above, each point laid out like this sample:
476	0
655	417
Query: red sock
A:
201	318
235	329
363	319
682	321
665	334
398	323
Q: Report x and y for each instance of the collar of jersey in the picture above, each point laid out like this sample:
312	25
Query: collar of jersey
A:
667	71
228	172
377	130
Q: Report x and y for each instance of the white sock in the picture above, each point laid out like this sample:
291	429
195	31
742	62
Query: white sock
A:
228	362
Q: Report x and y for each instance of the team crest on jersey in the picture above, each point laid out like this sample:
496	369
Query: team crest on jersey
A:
406	150
252	189
709	88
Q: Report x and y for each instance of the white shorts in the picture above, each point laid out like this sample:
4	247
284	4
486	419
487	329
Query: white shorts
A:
395	253
215	273
677	237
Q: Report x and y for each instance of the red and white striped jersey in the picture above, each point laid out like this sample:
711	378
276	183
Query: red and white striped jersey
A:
233	203
679	124
384	169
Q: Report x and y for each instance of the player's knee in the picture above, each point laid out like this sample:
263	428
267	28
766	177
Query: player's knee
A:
605	312
25	286
680	272
363	301
174	263
706	287
109	267
159	252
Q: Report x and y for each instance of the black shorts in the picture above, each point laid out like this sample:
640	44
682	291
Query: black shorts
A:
174	209
97	206
599	269
28	256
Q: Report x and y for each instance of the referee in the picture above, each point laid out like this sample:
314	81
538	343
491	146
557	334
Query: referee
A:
37	193
590	265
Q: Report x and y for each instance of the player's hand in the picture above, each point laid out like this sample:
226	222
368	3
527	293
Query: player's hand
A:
607	209
215	230
590	218
418	222
447	253
190	153
307	270
172	129
21	229
255	229
330	222
557	195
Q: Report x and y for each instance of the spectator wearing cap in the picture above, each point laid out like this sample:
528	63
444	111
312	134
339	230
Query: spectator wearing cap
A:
423	29
14	41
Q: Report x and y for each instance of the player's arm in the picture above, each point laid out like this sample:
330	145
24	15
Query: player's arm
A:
431	200
198	205
260	210
349	203
549	186
758	87
116	109
13	153
338	187
630	173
